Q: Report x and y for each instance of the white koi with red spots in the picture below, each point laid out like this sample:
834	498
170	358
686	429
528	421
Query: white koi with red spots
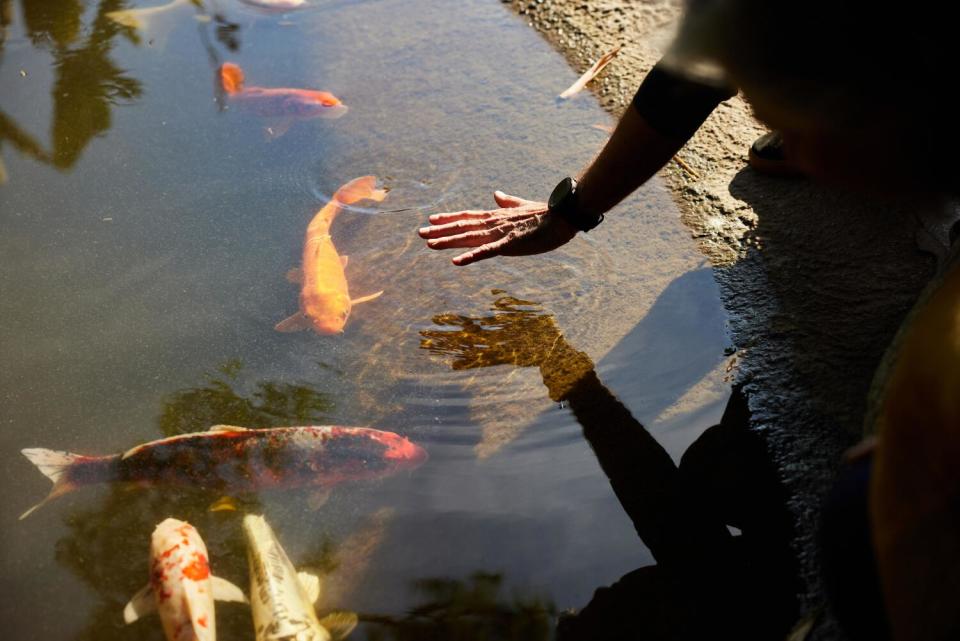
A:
181	589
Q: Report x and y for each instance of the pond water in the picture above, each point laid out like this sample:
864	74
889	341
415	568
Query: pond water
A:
146	226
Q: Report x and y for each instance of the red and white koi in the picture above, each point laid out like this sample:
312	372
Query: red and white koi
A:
181	589
325	301
237	459
282	105
281	600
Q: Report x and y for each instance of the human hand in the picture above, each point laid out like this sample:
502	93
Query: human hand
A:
518	228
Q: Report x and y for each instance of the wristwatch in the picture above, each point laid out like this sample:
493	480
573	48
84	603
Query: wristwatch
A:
564	203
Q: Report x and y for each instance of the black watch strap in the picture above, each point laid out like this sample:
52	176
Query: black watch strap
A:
564	203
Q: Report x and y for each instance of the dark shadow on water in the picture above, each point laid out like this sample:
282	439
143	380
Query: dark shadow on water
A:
471	609
708	582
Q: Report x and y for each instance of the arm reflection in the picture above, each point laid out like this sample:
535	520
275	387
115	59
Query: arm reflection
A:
706	580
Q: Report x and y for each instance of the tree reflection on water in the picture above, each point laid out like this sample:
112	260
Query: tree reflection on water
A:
271	404
87	81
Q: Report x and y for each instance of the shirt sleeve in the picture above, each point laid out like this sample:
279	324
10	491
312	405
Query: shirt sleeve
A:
676	106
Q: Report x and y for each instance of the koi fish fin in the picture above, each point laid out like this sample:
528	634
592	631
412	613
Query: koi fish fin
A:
141	604
344	260
223	504
362	188
54	466
294	323
223	590
231	78
277	128
318	498
311	585
228	428
364	299
339	624
295	275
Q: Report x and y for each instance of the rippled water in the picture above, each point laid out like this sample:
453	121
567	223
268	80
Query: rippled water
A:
147	225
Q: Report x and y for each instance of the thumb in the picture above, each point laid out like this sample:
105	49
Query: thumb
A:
503	200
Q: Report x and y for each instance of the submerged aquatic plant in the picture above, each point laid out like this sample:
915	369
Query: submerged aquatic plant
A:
271	404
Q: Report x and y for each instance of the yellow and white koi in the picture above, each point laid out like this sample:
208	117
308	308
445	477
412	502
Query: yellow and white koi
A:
282	600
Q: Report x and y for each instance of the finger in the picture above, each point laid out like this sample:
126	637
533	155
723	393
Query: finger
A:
457	227
450	216
468	239
480	253
505	200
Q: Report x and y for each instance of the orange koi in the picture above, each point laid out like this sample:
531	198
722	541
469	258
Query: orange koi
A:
325	302
283	105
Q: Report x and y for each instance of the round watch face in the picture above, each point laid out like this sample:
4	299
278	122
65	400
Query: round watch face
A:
561	192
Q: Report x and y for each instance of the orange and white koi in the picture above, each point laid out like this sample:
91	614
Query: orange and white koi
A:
325	301
283	106
281	600
181	589
236	459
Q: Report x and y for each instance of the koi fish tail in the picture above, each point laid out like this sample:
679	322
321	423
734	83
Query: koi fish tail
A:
363	188
67	471
231	78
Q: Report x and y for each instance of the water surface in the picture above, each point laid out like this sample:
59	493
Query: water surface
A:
146	228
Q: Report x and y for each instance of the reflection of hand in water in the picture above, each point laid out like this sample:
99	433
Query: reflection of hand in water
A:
515	334
706	580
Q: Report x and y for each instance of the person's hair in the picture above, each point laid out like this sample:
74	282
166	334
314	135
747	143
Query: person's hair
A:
843	63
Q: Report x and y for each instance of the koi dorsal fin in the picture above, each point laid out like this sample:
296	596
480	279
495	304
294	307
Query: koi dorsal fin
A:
228	428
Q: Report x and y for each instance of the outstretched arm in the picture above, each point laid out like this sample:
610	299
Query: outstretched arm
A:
665	112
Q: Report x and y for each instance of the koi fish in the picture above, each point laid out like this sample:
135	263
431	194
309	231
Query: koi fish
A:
325	302
181	589
281	599
238	459
282	105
